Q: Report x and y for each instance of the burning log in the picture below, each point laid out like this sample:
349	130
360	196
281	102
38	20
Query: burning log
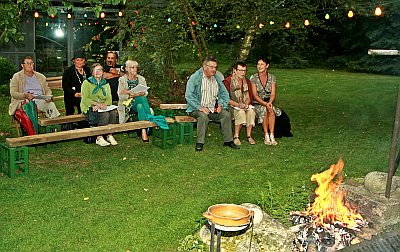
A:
330	223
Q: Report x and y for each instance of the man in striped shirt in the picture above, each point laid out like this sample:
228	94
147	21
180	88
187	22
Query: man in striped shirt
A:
207	99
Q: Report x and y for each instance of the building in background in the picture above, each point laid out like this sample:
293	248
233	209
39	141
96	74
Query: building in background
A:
53	41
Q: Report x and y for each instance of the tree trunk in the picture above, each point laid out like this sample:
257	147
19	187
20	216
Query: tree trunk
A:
246	44
244	48
192	32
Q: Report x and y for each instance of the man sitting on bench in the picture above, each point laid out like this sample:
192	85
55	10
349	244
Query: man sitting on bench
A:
31	85
207	99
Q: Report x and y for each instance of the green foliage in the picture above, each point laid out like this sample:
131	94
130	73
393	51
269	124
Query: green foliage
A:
7	69
192	243
10	28
279	203
368	32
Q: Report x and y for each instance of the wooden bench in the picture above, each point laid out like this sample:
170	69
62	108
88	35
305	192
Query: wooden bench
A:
55	83
61	120
52	124
14	152
185	123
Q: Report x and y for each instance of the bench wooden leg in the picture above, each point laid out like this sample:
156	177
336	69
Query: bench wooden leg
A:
165	138
14	161
185	132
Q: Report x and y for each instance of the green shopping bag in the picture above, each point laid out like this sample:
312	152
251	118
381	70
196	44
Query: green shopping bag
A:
31	111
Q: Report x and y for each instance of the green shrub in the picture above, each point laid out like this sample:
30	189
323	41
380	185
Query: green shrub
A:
278	204
7	69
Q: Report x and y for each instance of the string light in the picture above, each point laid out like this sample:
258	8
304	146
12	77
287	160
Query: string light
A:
36	15
306	22
287	25
85	15
271	22
350	14
378	11
120	14
102	14
327	16
260	25
69	16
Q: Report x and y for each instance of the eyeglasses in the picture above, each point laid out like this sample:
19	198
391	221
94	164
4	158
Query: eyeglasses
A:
29	63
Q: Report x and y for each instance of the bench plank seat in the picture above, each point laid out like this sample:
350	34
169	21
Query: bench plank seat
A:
173	106
185	119
61	120
80	133
54	82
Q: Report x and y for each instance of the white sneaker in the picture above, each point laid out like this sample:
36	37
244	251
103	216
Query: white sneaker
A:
103	143
267	141
111	140
273	141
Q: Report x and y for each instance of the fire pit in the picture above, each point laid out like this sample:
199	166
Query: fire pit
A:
330	222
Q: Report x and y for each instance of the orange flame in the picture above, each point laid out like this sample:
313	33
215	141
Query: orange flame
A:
330	206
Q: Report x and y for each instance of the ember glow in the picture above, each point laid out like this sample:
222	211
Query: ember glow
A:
330	206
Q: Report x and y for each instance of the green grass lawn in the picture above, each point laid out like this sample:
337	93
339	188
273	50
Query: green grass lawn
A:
138	197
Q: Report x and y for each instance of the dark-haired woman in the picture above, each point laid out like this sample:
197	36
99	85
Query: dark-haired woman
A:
263	86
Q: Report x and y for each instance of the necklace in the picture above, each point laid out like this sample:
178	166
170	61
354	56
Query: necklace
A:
79	78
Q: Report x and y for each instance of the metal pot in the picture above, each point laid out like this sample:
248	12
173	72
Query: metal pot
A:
230	215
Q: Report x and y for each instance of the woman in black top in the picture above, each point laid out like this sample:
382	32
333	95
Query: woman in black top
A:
72	80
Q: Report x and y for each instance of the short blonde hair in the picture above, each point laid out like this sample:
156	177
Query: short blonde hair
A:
132	63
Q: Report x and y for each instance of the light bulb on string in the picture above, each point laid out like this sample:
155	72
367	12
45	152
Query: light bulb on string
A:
36	15
271	22
102	14
85	15
260	25
69	16
120	14
306	22
327	16
378	11
350	14
287	25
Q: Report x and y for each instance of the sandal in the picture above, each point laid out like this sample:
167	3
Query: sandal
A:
236	141
251	140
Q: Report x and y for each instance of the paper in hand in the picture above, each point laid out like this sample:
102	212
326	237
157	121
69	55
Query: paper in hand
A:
139	88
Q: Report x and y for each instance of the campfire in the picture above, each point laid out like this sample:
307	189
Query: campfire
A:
330	223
